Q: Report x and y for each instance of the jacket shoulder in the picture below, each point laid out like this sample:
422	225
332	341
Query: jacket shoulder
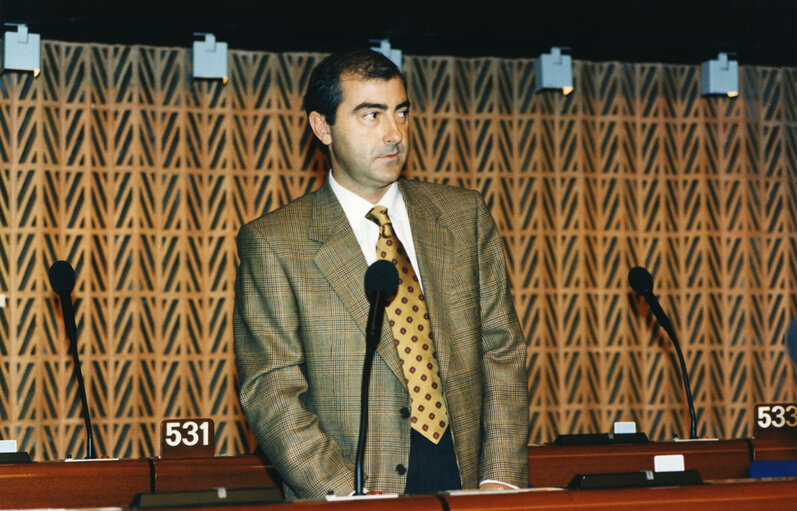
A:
438	191
285	220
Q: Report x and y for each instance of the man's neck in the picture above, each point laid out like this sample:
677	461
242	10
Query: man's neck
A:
372	196
356	206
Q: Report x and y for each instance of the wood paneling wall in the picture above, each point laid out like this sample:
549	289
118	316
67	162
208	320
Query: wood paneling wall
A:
115	159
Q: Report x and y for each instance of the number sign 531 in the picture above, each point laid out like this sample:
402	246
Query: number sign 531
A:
187	438
776	420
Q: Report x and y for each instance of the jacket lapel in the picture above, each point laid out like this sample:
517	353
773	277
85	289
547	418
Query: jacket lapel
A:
431	248
338	257
342	263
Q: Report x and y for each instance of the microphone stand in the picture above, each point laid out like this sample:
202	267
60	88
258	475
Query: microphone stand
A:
62	280
71	333
373	329
666	324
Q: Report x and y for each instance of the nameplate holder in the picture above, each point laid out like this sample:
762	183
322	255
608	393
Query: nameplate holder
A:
187	438
775	421
601	439
634	480
10	458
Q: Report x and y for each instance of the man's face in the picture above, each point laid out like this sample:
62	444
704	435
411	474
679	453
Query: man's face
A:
369	142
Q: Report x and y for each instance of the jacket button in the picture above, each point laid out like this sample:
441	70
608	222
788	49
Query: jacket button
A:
400	469
405	414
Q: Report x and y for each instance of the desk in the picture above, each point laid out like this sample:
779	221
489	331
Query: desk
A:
555	465
758	495
115	483
73	483
709	497
549	465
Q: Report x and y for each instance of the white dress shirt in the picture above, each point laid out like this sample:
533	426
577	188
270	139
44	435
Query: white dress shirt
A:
366	231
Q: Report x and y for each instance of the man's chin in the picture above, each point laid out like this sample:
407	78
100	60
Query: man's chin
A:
390	170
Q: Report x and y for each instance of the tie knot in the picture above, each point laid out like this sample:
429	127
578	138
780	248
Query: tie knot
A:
378	214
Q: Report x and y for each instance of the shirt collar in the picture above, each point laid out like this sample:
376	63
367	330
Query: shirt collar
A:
355	207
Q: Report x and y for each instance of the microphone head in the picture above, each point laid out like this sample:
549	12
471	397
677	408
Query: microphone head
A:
381	276
791	340
640	281
62	277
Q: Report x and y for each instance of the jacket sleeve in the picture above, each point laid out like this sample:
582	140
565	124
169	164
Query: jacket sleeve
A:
269	356
504	450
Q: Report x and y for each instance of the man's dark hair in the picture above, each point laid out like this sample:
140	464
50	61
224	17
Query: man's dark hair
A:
323	92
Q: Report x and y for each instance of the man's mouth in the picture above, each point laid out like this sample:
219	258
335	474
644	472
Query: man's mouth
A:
392	154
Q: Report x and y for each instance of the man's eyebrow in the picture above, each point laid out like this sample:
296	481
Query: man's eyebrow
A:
378	106
381	106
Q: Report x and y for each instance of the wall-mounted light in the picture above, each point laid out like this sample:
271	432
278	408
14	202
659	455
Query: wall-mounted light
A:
22	50
210	59
385	49
554	71
720	76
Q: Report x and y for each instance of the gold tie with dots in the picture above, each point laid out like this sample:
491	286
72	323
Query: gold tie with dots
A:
409	321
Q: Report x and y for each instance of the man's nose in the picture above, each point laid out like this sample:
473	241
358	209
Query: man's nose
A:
392	130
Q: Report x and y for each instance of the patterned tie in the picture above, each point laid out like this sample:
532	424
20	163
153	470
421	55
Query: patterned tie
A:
409	321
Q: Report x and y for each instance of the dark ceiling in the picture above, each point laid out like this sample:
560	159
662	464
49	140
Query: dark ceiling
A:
761	32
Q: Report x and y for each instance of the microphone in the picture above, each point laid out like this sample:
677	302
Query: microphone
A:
62	280
791	340
641	282
381	282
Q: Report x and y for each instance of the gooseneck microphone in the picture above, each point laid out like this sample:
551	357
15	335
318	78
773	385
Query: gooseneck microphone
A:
641	282
381	283
62	280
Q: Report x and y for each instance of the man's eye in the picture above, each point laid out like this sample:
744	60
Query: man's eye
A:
371	115
403	113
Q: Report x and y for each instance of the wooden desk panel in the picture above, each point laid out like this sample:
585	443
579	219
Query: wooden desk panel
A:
774	495
548	465
248	471
774	450
554	465
414	503
73	484
758	495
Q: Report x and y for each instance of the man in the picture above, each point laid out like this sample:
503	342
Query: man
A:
457	417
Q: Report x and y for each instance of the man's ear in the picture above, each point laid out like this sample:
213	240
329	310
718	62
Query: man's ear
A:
319	125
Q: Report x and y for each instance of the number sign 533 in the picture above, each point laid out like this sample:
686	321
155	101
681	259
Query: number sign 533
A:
776	416
776	421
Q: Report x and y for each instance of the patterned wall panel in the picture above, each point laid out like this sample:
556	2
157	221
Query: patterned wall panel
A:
115	159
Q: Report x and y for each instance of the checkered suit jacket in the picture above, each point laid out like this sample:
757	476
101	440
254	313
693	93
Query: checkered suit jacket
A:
299	324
